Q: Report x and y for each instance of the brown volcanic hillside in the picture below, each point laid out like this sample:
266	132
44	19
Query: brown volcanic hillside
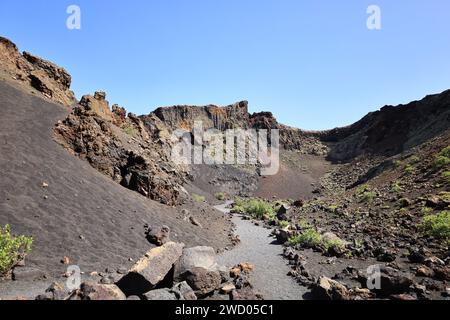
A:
44	76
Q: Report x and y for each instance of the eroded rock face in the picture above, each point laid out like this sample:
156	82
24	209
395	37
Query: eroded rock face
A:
46	77
222	118
123	149
98	104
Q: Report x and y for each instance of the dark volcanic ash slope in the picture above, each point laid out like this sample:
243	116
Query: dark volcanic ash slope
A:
392	129
82	214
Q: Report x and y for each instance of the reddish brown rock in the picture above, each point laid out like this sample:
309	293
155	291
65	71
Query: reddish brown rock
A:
94	291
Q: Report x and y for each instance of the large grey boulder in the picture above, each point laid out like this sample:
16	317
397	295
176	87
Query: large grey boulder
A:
183	291
197	257
152	269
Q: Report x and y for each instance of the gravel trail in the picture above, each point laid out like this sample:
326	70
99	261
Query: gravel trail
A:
258	247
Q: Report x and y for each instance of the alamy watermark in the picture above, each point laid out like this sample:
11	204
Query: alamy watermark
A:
73	22
73	277
232	147
374	19
374	277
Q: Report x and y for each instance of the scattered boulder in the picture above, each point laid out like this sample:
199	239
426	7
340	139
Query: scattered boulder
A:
299	203
235	272
403	297
183	291
56	291
283	235
202	281
94	291
227	288
160	295
417	256
201	257
442	273
404	202
246	267
246	293
195	222
282	212
65	260
27	273
242	281
385	255
150	270
159	237
328	289
433	261
391	282
425	271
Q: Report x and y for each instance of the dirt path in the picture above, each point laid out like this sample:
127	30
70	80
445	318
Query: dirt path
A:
257	247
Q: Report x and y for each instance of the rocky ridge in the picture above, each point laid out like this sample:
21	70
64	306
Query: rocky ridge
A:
50	80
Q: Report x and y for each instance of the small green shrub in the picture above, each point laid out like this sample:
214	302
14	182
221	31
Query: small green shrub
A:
308	238
446	175
238	201
437	226
426	210
220	196
409	169
238	206
131	131
445	152
442	159
333	208
441	162
363	188
12	249
258	208
396	187
414	159
445	195
397	164
198	198
339	244
304	225
367	196
283	224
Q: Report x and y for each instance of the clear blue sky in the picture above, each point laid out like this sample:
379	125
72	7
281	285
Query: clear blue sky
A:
313	63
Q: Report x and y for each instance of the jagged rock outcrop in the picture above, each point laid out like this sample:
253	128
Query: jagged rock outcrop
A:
211	116
121	148
46	77
98	104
